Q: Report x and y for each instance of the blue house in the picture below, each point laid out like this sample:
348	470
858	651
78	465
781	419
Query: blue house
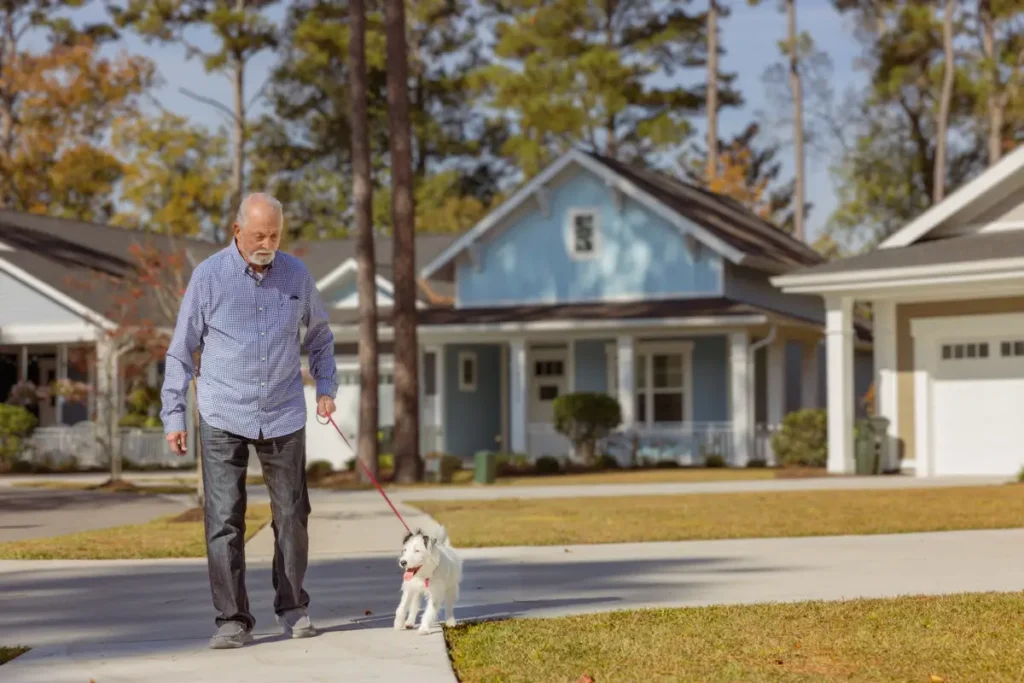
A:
597	276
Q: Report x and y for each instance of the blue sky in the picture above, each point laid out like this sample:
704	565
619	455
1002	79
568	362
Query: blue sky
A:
749	35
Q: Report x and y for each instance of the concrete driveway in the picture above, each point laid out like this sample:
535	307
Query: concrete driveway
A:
37	513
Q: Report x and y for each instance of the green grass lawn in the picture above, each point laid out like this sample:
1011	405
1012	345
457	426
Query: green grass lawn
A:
623	519
961	638
165	488
180	536
9	653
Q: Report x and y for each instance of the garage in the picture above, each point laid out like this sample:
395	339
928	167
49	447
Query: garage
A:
969	381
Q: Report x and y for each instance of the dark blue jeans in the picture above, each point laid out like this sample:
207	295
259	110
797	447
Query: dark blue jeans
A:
225	462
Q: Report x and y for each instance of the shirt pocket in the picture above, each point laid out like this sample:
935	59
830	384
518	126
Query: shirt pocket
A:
290	314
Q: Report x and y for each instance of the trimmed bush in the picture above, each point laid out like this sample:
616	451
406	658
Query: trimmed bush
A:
607	462
16	425
547	465
133	420
714	460
585	418
666	465
318	469
757	463
803	439
386	461
511	464
450	464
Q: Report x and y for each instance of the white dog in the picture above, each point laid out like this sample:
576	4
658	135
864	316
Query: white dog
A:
433	569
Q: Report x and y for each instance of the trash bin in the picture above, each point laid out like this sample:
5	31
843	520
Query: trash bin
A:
871	455
485	467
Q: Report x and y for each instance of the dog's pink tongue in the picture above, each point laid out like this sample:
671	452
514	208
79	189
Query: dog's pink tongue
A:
408	576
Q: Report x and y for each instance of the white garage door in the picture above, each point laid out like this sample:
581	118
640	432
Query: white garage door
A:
977	399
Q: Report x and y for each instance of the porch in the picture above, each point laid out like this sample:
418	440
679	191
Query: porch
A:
685	394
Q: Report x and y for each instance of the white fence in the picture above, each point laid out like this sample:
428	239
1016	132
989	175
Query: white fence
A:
77	447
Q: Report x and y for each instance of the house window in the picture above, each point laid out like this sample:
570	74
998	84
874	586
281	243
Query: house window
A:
467	371
548	393
966	350
584	234
548	368
662	386
1008	349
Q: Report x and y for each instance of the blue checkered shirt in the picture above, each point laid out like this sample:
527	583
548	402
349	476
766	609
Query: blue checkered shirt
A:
247	328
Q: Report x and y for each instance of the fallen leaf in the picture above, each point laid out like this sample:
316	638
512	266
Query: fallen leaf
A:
567	550
367	612
779	662
584	678
936	679
798	646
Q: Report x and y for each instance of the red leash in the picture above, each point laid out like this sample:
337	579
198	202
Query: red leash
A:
330	420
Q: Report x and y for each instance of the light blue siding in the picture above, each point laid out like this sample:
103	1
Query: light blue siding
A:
473	418
592	365
710	379
639	254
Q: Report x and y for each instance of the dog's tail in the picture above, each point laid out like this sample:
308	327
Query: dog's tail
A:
441	536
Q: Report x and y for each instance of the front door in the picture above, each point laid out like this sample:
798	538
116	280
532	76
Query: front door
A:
548	382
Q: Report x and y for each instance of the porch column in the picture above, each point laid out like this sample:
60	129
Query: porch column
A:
775	381
741	395
62	375
440	399
839	345
625	356
23	365
809	375
886	364
517	395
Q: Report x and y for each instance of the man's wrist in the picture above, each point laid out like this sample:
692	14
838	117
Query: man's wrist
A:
326	388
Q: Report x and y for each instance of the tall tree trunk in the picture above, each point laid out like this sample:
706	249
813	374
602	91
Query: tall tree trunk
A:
408	465
238	132
996	98
712	95
942	124
796	87
369	381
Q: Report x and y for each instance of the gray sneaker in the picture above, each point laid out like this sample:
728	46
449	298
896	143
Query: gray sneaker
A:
296	623
229	636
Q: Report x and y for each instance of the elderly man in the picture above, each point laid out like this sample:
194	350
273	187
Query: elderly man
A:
243	309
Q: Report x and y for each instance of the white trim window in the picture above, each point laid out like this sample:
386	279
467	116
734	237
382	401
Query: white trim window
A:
583	234
467	371
664	384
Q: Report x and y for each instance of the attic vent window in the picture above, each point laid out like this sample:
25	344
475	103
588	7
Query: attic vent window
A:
584	233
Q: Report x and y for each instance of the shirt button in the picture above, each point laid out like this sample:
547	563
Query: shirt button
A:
262	334
261	384
260	308
264	359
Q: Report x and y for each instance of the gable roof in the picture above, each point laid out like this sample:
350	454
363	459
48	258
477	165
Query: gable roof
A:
719	222
1007	173
60	255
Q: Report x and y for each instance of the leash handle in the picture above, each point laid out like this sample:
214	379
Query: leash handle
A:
330	420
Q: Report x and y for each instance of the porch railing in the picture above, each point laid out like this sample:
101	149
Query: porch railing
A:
689	444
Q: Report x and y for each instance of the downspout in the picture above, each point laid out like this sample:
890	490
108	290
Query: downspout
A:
752	384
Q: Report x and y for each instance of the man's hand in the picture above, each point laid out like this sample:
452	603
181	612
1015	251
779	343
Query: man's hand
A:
177	442
325	406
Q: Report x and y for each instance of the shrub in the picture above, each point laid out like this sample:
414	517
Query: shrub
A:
16	425
666	465
607	462
350	466
585	418
547	465
132	420
511	464
386	461
450	464
757	463
714	460
318	469
803	439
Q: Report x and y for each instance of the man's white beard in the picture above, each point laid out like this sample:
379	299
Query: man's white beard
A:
263	257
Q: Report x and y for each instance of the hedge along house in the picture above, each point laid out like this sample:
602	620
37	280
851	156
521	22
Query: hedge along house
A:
947	295
596	276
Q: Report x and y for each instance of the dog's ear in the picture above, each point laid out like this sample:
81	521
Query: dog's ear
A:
427	540
407	537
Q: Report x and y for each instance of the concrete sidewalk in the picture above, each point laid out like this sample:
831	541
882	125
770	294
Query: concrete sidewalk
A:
132	621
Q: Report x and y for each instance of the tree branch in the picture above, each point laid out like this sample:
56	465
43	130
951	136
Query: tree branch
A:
212	102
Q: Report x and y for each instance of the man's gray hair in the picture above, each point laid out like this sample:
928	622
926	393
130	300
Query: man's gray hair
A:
259	198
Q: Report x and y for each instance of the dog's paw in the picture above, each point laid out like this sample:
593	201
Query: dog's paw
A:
399	625
423	631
